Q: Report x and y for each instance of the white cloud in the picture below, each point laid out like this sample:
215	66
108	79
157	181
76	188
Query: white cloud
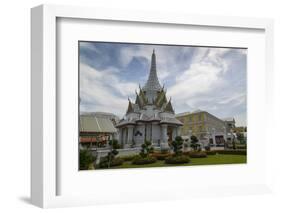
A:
202	85
204	75
165	58
235	99
97	88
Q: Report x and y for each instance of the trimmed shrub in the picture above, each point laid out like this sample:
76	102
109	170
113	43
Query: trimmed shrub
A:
164	151
232	152
146	149
138	160
211	152
186	153
115	162
194	143
198	154
177	145
128	157
86	159
161	156
178	159
207	148
241	146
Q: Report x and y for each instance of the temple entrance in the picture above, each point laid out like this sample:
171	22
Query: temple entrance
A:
170	134
219	139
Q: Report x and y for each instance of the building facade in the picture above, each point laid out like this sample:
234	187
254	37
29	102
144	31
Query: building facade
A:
97	128
209	129
150	117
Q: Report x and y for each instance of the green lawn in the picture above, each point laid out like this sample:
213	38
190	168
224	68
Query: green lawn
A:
210	160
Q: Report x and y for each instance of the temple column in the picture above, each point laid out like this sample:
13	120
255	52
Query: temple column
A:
143	134
224	133
130	135
164	139
174	134
120	136
148	131
124	136
156	134
178	131
214	137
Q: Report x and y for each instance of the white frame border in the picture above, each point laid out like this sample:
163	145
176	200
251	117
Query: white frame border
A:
43	87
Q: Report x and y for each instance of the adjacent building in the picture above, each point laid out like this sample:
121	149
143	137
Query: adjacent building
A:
206	127
150	117
97	128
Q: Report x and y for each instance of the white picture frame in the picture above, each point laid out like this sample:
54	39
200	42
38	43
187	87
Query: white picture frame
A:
44	169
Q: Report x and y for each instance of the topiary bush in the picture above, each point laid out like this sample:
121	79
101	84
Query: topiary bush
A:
211	152
161	156
128	157
115	162
177	145
186	153
178	159
86	159
194	143
139	160
146	149
232	152
241	146
208	148
197	154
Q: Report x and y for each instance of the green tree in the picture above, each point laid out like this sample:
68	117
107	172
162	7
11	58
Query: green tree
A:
240	137
177	145
85	159
194	143
113	144
146	148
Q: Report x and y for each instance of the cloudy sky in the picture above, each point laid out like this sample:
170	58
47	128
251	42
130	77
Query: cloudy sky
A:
211	79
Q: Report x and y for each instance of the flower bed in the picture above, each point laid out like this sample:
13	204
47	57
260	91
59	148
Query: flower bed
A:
128	157
211	152
180	159
197	154
161	156
232	152
115	162
138	160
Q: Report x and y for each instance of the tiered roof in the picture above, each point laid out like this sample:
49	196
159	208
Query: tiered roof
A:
152	96
152	82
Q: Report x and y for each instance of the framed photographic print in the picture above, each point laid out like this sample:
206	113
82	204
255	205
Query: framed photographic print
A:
149	129
146	102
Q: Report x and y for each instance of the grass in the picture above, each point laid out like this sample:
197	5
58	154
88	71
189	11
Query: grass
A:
210	160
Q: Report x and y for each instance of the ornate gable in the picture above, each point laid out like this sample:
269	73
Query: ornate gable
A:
130	107
169	107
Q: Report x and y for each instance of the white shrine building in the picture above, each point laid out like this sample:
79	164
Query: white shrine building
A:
151	117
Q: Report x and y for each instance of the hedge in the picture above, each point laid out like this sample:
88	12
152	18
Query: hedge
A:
232	152
161	156
225	152
128	157
115	162
211	152
177	159
197	154
138	160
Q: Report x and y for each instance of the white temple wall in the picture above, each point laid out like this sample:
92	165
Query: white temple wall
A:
148	131
130	134
156	134
174	133
124	136
139	139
